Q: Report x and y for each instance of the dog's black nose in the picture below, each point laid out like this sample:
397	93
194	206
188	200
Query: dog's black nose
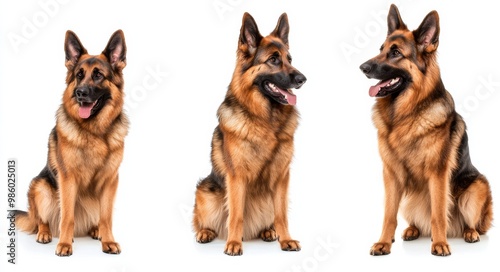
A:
299	79
82	92
366	68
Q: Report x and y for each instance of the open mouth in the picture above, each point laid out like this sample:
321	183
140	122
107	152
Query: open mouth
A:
283	96
87	109
387	87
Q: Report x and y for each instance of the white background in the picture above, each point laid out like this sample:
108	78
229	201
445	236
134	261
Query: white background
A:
336	193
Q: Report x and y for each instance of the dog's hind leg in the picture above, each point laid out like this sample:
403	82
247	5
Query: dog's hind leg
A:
94	232
475	205
268	234
411	233
43	208
210	216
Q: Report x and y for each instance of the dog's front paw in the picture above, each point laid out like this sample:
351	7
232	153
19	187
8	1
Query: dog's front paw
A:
290	245
234	248
111	248
64	250
380	249
440	249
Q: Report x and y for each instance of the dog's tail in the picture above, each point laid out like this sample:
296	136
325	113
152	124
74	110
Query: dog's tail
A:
24	221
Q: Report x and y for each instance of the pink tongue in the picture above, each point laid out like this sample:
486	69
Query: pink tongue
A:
290	98
85	110
375	89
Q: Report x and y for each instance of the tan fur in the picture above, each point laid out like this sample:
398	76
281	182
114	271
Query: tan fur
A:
421	139
83	158
246	196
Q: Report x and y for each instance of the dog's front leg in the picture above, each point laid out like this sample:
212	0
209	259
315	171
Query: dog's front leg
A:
281	215
393	193
67	196
439	193
236	189
106	216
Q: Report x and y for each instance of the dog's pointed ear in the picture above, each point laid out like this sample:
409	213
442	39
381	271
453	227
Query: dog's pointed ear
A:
427	34
394	21
282	28
116	50
249	34
73	49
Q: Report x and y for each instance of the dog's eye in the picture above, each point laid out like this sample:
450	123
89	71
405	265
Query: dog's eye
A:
396	53
97	75
79	75
274	60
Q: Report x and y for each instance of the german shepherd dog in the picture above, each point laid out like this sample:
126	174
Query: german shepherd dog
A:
422	140
74	194
245	195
